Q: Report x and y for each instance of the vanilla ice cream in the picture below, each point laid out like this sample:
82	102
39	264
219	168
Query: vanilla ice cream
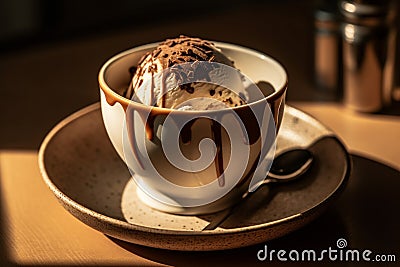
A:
175	61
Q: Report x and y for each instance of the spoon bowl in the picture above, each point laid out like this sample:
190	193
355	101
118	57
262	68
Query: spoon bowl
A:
290	165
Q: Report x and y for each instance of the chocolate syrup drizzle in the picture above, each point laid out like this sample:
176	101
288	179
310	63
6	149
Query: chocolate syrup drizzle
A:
218	160
245	114
168	54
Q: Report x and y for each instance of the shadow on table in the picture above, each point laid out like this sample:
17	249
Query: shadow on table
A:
4	238
392	110
365	215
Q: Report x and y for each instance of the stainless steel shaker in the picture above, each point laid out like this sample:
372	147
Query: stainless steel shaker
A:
369	45
327	48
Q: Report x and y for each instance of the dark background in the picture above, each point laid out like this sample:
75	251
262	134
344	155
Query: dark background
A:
51	51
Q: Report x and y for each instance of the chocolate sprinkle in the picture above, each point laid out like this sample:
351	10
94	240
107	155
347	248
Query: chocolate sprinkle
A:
132	70
188	87
156	52
173	52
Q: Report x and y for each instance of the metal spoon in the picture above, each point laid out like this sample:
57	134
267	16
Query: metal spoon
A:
286	167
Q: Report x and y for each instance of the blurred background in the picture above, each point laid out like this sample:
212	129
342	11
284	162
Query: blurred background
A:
51	51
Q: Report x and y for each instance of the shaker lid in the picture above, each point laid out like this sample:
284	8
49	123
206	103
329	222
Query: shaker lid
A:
373	11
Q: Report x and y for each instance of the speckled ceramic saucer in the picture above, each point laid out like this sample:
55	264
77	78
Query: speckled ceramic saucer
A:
84	172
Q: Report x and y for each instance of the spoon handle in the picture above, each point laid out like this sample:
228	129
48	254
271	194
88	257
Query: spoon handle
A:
271	178
220	219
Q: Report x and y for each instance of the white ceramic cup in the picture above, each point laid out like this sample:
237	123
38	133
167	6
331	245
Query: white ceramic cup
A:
176	189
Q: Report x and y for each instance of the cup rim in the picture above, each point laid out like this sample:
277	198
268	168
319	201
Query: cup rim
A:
127	102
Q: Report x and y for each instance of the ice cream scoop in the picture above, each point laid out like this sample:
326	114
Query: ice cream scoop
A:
178	59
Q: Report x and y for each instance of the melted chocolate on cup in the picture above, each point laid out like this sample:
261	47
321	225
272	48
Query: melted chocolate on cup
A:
182	50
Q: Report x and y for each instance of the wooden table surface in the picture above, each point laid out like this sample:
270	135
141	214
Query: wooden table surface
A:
36	230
